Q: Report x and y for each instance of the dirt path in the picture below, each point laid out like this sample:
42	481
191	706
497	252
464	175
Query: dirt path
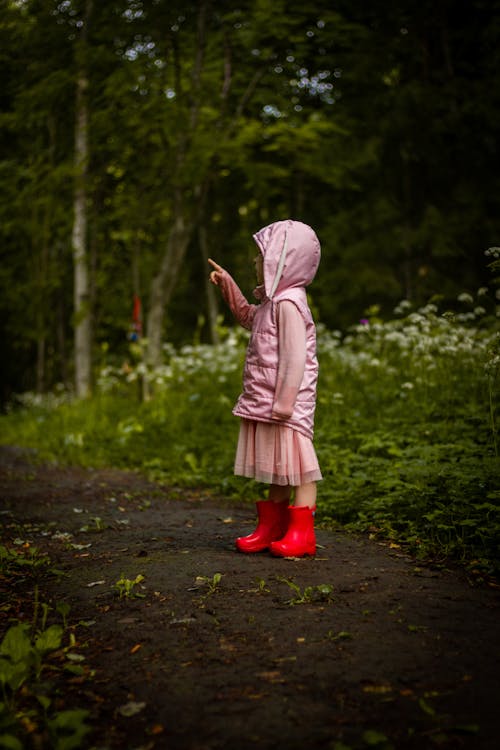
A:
396	650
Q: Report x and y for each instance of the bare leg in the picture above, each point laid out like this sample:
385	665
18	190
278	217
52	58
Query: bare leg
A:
305	495
279	493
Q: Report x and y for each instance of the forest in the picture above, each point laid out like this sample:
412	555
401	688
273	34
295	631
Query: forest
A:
137	137
140	137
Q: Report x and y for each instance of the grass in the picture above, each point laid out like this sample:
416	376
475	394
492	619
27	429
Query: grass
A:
406	430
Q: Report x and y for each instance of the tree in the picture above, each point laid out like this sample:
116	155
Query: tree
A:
82	312
134	146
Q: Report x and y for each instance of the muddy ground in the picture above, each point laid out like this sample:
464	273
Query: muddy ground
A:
370	649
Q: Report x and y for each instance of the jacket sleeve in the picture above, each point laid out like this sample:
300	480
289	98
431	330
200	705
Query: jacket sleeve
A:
242	310
292	359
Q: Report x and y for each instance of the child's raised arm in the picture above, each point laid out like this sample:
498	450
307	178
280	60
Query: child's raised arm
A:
242	310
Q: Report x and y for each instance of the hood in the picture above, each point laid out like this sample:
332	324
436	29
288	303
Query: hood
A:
291	253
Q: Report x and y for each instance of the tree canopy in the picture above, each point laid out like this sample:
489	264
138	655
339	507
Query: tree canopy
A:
376	123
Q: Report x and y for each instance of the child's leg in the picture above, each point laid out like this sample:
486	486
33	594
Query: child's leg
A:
305	495
300	538
279	493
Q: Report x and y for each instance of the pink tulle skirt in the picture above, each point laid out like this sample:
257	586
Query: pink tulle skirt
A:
275	454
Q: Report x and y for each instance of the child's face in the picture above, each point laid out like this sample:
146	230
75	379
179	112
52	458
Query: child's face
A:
259	268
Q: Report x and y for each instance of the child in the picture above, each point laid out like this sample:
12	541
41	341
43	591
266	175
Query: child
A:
279	388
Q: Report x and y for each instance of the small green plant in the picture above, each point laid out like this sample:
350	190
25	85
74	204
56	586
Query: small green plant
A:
211	583
98	525
342	635
321	593
68	729
126	587
23	657
262	587
374	738
63	609
24	559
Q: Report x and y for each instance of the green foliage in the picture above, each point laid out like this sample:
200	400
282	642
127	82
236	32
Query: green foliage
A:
320	593
222	118
22	658
68	729
406	436
25	560
406	432
14	559
212	583
125	587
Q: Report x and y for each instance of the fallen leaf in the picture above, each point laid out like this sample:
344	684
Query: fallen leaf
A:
131	709
62	536
75	657
135	648
157	729
377	689
274	677
225	645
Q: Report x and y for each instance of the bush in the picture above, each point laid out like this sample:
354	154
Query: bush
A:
406	428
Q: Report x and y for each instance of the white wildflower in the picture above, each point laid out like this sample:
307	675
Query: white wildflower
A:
429	309
402	307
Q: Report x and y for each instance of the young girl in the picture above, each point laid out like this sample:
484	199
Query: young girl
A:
279	388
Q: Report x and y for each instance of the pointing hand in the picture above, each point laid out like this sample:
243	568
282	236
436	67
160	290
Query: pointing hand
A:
216	274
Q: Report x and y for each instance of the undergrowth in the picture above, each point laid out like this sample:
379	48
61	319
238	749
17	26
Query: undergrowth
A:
406	428
35	659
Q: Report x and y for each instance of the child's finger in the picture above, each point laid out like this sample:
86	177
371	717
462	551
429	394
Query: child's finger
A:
215	265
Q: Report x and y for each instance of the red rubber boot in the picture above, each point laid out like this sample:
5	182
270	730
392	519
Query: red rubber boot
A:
272	524
300	539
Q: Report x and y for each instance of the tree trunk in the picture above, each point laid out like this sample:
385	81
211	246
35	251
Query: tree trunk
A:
42	271
81	285
163	284
61	342
40	364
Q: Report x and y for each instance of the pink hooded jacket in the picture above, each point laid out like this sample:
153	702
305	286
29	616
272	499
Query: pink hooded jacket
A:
291	254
